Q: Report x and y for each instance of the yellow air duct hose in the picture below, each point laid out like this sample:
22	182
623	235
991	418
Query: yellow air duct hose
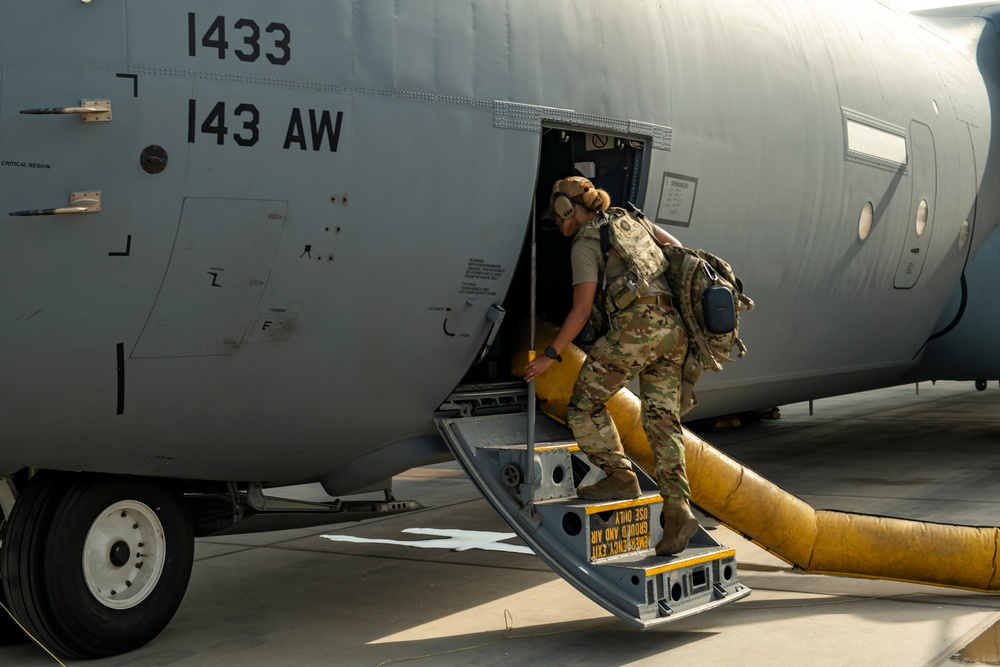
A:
823	542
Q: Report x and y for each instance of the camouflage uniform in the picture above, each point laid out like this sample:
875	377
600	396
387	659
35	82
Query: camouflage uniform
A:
648	340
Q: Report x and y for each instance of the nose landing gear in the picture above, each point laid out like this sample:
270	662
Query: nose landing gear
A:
96	565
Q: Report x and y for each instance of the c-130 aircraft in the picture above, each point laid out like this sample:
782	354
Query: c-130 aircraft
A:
256	244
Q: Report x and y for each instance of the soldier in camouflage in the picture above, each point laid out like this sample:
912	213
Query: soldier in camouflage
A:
646	338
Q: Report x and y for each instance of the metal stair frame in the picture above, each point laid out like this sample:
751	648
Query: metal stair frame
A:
637	588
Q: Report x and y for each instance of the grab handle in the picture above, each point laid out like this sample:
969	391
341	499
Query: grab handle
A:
91	111
79	202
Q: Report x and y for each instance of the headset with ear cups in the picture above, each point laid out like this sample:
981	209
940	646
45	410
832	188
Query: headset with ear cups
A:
563	205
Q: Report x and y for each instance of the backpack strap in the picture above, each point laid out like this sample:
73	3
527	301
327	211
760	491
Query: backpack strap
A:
605	242
602	278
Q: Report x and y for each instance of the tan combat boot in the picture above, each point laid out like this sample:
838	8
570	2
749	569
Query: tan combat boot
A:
621	484
679	525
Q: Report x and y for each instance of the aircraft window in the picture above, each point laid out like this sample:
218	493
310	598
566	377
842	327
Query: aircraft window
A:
876	143
867	217
963	235
922	217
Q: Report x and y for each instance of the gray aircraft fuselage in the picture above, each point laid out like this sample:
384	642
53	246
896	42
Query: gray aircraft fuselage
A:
307	209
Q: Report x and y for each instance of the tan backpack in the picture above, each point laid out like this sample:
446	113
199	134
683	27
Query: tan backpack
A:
707	293
710	298
632	240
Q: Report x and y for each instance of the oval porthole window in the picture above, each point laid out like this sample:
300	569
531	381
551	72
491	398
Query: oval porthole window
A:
963	235
921	217
865	224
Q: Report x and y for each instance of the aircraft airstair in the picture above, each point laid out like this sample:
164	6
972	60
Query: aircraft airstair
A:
604	549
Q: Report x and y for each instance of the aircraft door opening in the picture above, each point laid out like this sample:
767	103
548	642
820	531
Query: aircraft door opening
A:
615	164
923	170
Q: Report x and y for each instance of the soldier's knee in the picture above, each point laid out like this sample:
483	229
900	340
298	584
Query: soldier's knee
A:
580	403
579	411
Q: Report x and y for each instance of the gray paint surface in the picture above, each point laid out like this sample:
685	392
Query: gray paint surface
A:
394	245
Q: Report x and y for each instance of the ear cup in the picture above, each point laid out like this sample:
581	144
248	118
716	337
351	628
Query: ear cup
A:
563	206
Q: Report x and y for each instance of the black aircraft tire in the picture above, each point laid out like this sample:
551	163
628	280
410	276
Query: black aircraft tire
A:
10	632
82	539
24	533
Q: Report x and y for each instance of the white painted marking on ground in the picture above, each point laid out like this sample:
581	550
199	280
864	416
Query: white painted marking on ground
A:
455	540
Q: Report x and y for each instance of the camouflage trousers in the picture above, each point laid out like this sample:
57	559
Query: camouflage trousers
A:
649	341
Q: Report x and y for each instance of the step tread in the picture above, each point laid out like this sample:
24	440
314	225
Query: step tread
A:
548	446
651	564
599	506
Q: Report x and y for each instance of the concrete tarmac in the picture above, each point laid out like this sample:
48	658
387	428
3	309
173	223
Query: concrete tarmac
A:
299	598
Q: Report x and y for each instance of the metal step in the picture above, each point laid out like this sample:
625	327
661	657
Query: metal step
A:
604	549
605	530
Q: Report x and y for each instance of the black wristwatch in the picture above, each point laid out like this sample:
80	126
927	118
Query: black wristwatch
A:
551	353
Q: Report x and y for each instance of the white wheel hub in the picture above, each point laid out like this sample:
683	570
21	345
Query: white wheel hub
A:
123	554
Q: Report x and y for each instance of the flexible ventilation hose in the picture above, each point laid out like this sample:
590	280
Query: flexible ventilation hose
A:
819	541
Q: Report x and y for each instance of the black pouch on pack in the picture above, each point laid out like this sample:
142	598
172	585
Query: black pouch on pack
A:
720	309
